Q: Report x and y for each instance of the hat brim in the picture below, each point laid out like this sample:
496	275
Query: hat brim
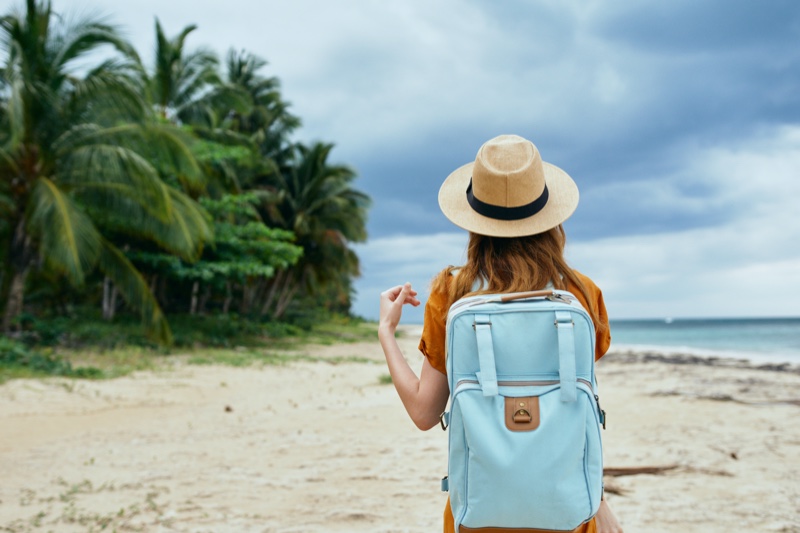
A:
562	202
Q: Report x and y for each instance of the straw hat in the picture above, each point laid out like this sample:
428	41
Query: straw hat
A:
508	191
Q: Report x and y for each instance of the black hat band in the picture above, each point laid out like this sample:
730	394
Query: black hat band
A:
498	212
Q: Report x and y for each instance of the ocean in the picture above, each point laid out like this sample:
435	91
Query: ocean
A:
757	339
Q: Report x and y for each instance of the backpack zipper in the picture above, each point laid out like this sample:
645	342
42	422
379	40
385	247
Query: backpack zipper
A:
601	413
528	384
496	298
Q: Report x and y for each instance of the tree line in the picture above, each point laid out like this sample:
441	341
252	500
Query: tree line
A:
170	189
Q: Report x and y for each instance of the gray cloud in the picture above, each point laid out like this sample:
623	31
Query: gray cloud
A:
651	107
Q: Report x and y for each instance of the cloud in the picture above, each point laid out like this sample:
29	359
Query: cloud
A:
688	27
747	265
676	121
394	260
719	270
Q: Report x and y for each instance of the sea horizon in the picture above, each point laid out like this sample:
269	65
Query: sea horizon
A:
757	339
760	339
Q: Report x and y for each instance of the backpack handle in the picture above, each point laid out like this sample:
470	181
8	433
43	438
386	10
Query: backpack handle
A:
523	295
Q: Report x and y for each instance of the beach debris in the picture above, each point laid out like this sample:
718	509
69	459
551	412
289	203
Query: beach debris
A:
613	488
632	356
722	397
636	470
228	409
732	454
706	471
660	469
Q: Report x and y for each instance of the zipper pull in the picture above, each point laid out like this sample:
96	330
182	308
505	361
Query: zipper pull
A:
599	410
556	297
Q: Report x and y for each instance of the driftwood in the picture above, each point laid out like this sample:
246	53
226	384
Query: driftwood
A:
689	359
613	488
610	487
635	470
728	398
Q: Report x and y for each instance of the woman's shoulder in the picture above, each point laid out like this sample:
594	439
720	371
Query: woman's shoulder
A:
587	281
592	291
441	282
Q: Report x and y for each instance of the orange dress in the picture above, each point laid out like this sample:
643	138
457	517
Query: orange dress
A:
432	346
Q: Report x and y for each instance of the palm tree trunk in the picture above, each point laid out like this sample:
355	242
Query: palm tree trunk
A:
259	288
273	290
107	298
113	303
228	298
110	293
288	291
16	298
204	299
21	258
195	293
247	295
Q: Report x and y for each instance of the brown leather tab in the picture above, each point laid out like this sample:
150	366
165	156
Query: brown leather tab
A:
522	414
465	529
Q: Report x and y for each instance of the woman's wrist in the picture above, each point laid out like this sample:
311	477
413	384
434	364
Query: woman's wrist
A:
385	332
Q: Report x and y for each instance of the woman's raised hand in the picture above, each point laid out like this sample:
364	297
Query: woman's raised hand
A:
392	302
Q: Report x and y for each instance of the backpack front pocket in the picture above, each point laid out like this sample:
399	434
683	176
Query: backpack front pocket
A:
531	478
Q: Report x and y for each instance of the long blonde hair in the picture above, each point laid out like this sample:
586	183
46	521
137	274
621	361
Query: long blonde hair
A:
513	264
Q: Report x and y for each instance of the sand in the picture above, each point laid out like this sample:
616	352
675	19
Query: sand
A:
312	447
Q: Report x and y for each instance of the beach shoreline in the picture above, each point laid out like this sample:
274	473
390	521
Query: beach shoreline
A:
325	446
688	356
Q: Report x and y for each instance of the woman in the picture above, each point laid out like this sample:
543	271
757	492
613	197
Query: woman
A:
513	205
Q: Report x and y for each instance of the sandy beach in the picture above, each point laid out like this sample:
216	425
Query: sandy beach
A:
313	447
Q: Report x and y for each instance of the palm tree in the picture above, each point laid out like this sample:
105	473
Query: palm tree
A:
251	144
268	123
186	86
316	201
79	153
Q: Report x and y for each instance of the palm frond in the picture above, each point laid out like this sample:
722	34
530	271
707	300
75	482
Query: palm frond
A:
185	234
69	241
96	166
170	147
115	88
13	110
210	107
151	144
133	288
85	36
8	162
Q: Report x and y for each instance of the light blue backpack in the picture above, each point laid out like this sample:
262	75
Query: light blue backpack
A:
525	450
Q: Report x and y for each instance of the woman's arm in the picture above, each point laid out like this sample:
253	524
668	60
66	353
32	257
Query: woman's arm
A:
425	397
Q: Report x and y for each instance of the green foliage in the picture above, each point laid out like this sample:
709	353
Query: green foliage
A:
88	331
89	347
177	189
77	153
16	360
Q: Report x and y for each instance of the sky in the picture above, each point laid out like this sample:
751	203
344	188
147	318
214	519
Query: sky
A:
679	121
